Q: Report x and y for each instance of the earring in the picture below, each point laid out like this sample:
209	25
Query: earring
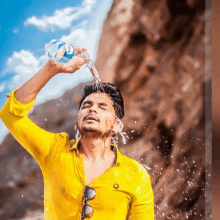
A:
78	136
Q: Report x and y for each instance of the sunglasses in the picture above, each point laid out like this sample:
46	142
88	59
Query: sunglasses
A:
87	210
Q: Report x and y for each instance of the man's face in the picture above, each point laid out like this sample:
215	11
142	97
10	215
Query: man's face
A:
96	114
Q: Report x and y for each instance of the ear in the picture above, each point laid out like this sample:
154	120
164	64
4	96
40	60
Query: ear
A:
117	126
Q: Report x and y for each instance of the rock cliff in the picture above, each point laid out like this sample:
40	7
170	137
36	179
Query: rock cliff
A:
155	52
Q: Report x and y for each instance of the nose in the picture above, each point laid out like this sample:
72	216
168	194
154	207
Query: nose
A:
93	108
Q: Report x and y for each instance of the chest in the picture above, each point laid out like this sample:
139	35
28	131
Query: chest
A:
94	171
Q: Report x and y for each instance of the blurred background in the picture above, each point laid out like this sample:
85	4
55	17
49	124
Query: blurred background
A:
155	52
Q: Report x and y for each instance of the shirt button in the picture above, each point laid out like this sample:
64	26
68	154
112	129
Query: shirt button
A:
116	186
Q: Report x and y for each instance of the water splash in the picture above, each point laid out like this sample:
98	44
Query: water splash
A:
146	167
124	135
115	140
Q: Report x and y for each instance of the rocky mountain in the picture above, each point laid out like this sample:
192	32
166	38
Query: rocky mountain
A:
154	51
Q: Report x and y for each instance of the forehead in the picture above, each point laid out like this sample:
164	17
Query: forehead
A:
99	97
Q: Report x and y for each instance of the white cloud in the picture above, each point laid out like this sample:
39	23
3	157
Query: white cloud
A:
75	36
61	19
24	64
2	87
15	31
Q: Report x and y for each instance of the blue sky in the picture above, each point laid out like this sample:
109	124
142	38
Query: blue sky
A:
25	28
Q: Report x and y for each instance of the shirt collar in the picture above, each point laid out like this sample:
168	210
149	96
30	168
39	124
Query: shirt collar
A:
74	145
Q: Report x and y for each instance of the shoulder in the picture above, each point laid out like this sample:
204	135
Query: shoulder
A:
136	167
141	185
62	136
61	139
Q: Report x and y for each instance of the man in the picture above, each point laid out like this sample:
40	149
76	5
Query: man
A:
86	178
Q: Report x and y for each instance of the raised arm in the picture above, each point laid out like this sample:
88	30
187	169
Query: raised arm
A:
34	139
32	87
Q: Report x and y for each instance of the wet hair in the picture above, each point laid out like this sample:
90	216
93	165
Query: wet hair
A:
113	93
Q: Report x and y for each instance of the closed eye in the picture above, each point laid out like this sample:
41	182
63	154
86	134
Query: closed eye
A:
103	106
87	104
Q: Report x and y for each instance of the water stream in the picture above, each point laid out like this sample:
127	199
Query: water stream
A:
95	74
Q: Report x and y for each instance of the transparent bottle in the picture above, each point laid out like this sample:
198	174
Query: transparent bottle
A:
62	52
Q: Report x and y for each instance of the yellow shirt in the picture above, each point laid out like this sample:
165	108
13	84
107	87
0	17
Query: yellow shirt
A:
123	189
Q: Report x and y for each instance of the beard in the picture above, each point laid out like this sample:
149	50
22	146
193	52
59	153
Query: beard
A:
90	129
96	131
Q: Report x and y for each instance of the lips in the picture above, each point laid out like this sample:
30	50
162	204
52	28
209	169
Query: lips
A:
91	117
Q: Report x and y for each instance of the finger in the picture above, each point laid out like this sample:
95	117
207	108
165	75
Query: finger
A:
74	67
73	60
80	50
77	50
75	63
83	50
70	70
83	55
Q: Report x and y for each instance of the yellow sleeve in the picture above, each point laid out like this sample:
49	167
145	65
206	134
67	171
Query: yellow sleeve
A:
142	206
34	139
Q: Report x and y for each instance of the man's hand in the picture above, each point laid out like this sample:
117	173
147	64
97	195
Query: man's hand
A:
74	64
32	87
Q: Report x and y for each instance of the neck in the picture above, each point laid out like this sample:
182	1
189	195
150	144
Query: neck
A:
96	149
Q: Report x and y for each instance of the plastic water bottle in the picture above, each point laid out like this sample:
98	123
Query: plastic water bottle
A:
62	52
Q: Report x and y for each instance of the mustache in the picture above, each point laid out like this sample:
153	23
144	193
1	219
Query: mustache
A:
96	118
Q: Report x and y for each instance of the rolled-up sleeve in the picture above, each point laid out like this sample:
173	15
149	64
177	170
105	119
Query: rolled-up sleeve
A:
142	206
34	139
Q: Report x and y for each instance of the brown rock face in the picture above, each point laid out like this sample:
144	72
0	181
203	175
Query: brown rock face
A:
154	51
